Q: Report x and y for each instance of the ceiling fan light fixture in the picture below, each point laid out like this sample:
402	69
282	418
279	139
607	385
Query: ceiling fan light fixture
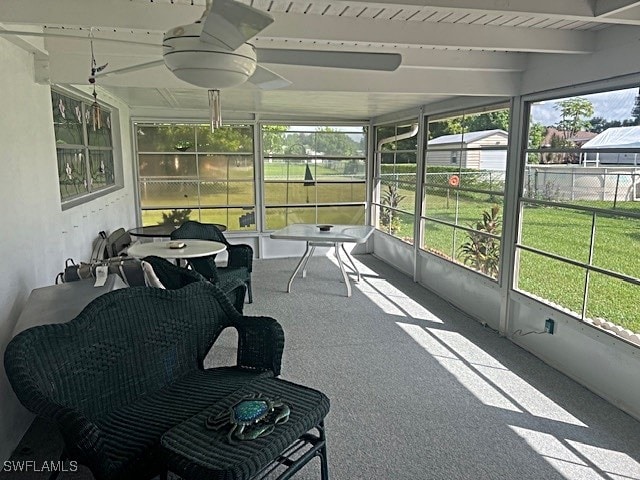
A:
215	109
204	64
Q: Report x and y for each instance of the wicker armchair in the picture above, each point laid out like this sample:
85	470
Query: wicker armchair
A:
240	256
172	277
130	367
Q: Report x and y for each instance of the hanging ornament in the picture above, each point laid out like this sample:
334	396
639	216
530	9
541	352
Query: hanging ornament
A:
215	109
61	108
94	65
95	112
96	120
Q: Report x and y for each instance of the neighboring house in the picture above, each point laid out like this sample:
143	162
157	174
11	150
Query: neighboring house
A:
578	138
614	137
470	150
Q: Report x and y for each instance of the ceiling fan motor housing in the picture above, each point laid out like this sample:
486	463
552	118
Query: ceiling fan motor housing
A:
206	64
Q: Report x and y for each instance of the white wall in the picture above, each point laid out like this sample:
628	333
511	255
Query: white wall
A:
36	235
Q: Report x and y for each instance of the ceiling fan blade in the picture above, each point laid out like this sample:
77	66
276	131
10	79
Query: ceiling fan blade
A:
268	80
231	23
330	58
132	68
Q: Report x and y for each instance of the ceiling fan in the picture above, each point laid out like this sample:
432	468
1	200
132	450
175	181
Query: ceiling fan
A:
214	52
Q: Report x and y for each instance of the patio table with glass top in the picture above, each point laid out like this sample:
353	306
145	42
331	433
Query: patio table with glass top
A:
325	236
192	248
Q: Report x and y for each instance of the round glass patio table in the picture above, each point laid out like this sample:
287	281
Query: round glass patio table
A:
192	249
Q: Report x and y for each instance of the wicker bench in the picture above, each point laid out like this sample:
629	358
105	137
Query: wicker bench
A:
130	368
196	452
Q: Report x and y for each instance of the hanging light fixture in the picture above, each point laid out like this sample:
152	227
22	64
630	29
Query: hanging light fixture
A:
215	109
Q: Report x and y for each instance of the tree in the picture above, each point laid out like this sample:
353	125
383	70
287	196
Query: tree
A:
487	121
334	142
448	126
574	113
496	120
635	113
599	124
536	137
273	139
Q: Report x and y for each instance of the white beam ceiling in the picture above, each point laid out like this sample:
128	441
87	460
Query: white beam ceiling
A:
605	11
449	47
438	35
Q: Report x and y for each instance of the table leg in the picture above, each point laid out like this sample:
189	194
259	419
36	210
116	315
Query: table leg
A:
304	258
355	269
304	265
344	273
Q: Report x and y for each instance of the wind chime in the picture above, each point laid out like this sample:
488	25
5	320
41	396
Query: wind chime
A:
96	117
215	109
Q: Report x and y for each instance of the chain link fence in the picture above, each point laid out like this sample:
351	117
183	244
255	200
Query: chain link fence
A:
568	183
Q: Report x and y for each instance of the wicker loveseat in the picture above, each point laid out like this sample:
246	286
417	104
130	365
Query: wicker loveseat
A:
130	367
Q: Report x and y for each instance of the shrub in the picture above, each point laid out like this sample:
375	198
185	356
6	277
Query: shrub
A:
389	218
482	252
175	217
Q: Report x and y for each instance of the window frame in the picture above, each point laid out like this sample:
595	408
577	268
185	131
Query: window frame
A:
461	153
317	181
523	201
377	207
115	148
196	125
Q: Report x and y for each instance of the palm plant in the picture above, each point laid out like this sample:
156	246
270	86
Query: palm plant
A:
175	217
481	251
390	200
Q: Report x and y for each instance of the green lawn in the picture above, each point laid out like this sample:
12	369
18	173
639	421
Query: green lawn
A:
560	231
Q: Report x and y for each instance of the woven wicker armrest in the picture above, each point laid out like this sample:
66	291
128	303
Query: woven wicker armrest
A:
240	256
260	343
83	439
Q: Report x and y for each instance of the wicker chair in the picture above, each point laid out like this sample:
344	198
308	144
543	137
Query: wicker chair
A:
240	256
130	367
172	277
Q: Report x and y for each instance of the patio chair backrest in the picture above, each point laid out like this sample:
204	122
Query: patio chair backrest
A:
202	231
123	345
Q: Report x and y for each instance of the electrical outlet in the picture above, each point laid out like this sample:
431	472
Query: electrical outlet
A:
549	326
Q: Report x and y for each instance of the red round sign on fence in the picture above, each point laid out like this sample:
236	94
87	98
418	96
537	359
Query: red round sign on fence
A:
454	180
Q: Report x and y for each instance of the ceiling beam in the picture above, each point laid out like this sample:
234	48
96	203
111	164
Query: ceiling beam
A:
576	10
555	8
606	8
71	69
437	35
423	57
402	81
122	14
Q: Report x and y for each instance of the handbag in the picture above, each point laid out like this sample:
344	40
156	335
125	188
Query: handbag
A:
128	268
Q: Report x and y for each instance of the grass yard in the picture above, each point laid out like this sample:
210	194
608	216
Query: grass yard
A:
560	231
296	171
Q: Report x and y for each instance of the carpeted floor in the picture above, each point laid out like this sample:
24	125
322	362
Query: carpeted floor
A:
419	390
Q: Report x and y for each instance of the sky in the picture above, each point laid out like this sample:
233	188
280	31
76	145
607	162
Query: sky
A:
615	105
